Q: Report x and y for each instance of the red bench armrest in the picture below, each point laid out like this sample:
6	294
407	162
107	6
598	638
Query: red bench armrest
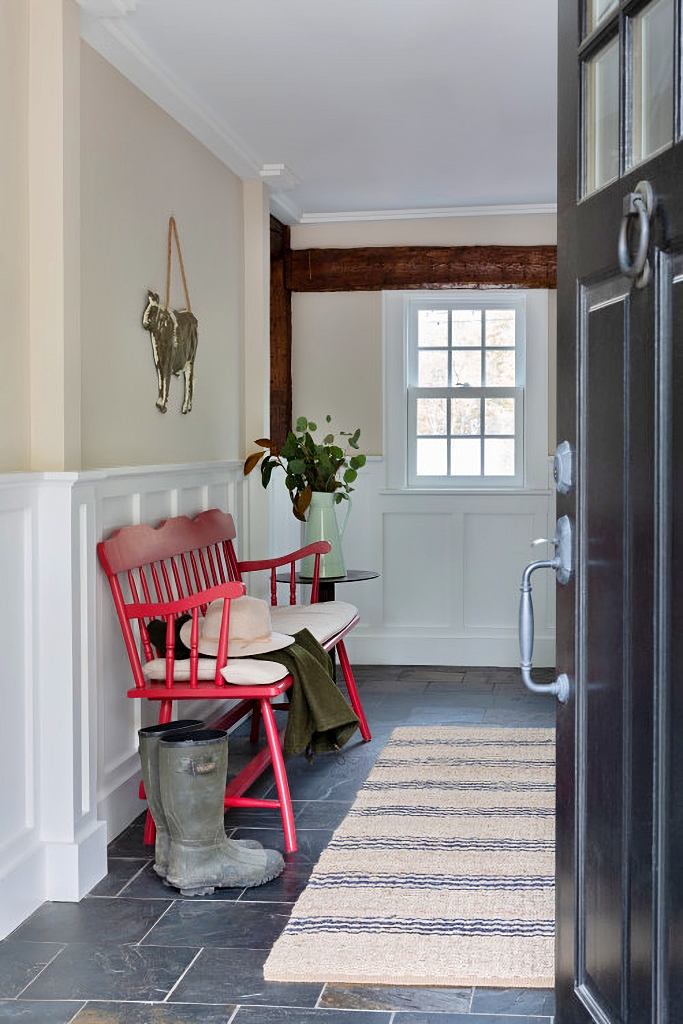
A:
317	548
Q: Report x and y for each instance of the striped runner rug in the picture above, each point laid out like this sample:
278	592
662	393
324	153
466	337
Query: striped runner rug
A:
442	873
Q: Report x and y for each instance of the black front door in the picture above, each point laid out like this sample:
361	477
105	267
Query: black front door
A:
620	618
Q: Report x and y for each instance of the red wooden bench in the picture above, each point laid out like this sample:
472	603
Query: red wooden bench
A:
178	568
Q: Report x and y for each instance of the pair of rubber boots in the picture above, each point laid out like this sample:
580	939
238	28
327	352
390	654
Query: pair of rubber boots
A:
184	769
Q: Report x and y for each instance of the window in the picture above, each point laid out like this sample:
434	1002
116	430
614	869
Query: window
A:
465	389
491	353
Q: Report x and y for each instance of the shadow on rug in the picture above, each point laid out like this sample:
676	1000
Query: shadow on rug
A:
441	874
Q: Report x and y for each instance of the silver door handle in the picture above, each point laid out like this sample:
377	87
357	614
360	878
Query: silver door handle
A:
562	564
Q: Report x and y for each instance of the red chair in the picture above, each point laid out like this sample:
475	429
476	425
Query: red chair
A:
178	568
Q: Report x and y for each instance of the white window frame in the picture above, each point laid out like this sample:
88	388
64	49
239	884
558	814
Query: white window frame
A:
530	391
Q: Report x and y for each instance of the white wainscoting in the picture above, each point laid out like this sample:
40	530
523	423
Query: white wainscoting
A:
106	502
22	855
451	567
450	570
69	769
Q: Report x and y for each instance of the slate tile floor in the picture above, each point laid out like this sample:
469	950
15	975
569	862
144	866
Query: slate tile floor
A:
133	952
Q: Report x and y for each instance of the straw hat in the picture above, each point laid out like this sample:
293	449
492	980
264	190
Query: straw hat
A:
251	630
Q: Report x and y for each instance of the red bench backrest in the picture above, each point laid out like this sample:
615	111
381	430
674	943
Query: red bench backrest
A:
177	559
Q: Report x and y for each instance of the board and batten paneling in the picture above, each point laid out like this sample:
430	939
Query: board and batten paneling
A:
21	853
417	593
491	547
450	568
52	845
69	766
449	565
119	498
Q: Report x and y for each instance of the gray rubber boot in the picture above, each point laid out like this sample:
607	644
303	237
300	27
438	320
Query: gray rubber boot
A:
192	772
149	758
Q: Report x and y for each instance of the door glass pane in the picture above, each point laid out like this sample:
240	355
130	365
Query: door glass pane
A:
601	118
596	10
653	95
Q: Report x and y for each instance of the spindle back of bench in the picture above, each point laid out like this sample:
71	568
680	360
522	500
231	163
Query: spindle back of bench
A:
180	558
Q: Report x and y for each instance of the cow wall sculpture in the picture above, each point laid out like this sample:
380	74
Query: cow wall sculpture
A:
173	333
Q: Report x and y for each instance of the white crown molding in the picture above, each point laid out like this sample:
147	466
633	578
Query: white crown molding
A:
279	176
520	209
284	208
108	8
108	36
103	27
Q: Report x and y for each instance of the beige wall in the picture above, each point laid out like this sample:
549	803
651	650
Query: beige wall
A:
337	362
138	167
14	337
507	229
79	248
337	336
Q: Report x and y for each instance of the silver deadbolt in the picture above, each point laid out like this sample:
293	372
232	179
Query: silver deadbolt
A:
563	467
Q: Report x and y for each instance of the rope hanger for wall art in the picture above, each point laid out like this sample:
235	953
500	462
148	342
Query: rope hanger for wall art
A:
173	235
173	332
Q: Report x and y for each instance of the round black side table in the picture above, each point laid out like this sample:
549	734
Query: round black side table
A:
327	588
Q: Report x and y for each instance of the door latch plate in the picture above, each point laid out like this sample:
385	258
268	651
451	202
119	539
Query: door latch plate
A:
564	554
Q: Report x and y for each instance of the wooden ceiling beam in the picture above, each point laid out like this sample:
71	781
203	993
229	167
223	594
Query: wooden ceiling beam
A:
376	268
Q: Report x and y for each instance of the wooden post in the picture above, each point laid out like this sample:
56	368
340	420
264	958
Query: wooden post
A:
379	268
280	334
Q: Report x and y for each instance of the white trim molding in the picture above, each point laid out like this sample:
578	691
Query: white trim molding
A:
108	8
114	41
431	213
104	28
395	309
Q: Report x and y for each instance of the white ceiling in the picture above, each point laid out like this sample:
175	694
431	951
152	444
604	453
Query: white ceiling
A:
367	108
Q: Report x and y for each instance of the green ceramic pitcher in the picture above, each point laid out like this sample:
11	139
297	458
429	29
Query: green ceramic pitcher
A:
321	524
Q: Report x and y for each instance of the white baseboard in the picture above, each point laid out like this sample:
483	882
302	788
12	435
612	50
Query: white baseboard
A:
22	888
121	805
72	869
386	648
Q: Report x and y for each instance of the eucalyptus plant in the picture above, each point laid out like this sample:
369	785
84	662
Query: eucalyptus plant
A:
308	465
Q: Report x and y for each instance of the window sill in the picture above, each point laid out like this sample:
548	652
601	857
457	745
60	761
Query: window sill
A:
456	492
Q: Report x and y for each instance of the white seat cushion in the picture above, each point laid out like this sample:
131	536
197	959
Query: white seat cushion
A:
323	620
238	671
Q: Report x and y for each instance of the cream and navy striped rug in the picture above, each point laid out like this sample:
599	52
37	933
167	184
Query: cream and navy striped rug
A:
441	874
